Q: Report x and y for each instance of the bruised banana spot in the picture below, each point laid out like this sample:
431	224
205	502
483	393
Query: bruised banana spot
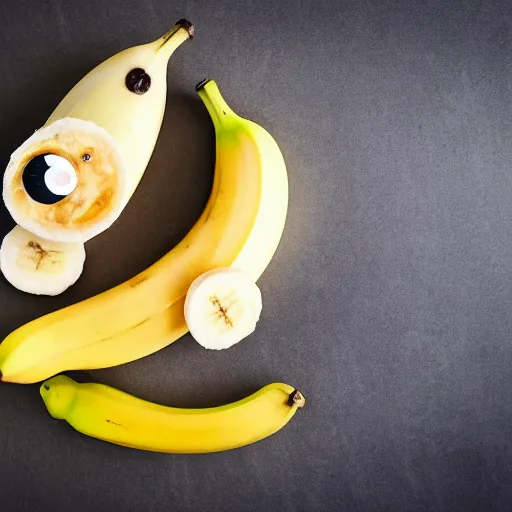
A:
114	423
221	311
39	253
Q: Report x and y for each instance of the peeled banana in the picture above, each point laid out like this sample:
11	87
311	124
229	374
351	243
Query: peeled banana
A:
240	227
108	414
72	178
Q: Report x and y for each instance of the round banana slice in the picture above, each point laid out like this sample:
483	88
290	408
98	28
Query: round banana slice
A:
38	266
222	307
66	182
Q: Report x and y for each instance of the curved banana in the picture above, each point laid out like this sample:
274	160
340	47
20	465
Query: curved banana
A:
241	227
124	99
126	95
106	413
72	178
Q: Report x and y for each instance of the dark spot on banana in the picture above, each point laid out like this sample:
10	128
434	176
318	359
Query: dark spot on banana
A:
136	281
114	423
222	312
138	81
34	245
40	252
45	386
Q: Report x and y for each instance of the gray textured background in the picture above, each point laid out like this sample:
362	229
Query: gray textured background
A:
389	300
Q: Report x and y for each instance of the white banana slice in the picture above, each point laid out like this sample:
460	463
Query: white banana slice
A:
222	307
39	266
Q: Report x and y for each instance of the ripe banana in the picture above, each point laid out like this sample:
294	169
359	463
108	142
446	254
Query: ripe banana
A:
126	95
222	307
240	227
120	105
72	178
108	414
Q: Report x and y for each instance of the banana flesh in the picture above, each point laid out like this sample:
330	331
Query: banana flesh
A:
39	266
222	307
91	206
105	413
240	227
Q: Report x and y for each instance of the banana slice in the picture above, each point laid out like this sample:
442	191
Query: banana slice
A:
222	307
67	182
38	266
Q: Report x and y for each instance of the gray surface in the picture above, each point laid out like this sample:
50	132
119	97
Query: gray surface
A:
389	300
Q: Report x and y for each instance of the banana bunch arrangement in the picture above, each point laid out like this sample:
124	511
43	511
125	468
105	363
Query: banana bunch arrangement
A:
69	182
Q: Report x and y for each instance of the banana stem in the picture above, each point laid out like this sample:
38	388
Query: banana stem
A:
181	32
297	398
212	98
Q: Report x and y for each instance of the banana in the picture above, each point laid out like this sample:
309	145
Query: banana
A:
100	139
42	267
126	95
105	413
86	160
240	227
222	307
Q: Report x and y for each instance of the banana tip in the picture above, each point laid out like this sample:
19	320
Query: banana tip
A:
202	83
183	23
297	398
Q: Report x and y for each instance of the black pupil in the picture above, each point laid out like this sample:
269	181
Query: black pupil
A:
33	181
138	81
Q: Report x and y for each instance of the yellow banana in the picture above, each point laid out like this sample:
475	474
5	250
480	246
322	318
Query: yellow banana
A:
72	178
126	95
105	413
240	227
119	105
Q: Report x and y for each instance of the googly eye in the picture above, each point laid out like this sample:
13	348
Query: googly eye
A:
49	178
60	178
